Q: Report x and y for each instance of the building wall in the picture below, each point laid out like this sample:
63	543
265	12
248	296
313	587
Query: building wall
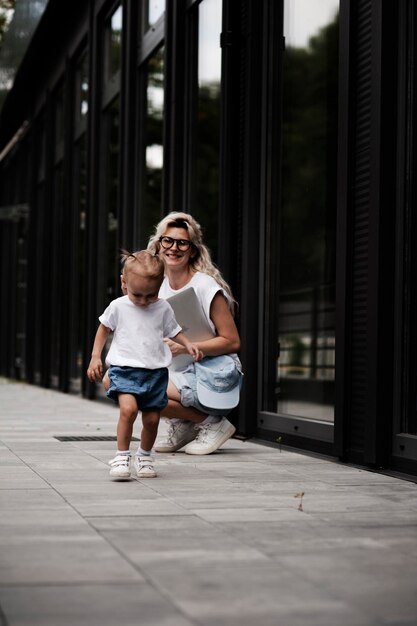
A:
207	108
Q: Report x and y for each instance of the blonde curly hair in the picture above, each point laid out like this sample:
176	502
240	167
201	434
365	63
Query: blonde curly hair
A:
200	261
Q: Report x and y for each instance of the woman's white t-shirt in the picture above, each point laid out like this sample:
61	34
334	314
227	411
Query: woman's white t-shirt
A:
206	288
138	339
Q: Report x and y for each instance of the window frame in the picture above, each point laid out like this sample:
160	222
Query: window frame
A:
404	444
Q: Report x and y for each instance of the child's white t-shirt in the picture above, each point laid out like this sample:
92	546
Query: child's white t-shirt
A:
139	333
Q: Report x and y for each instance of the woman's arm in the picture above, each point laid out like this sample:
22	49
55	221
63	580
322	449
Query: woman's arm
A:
191	348
227	339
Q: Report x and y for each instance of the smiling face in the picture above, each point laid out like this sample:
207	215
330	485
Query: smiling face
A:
141	290
173	257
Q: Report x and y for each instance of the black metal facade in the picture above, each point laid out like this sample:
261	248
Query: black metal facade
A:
66	177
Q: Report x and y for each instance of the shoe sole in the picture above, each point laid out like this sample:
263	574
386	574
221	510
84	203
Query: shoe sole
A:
231	431
140	476
126	477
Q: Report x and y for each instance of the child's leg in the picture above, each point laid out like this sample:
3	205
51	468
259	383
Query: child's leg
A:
150	423
142	460
120	465
128	413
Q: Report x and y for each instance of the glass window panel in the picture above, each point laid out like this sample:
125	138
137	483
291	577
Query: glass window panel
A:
36	322
113	41
78	320
112	200
306	250
154	10
205	196
41	149
81	89
59	117
21	297
151	209
56	274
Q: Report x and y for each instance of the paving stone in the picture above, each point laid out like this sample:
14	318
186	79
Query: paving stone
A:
68	558
213	540
89	605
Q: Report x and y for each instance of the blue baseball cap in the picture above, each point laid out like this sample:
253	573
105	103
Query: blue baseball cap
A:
218	382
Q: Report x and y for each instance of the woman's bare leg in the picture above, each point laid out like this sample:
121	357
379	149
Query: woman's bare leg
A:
175	410
106	381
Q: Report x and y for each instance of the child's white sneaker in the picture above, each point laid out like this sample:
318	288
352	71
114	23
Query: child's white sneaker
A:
120	466
144	466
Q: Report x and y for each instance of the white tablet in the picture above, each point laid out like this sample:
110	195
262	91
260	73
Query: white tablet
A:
190	316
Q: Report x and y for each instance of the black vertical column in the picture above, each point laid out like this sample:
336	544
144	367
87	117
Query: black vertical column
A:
174	98
251	87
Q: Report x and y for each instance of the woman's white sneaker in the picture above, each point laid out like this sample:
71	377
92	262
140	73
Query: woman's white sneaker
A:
144	467
120	466
210	437
180	432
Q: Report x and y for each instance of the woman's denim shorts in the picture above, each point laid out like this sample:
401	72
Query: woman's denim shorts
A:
148	386
186	383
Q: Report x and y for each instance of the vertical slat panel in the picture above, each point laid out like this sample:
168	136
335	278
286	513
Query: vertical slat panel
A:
361	180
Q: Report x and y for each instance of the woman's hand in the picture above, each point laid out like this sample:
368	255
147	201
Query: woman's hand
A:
176	348
195	352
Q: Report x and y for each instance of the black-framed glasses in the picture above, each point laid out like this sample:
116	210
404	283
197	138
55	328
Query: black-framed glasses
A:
182	244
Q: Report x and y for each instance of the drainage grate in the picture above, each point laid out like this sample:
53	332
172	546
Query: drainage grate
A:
88	438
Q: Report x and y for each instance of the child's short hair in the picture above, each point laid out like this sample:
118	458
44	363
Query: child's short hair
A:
144	263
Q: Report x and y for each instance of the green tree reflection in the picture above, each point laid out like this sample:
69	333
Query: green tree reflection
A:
310	87
151	209
206	191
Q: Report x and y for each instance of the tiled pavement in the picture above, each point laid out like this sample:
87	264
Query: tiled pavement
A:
215	540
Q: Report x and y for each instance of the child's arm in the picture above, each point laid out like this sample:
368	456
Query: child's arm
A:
95	369
190	347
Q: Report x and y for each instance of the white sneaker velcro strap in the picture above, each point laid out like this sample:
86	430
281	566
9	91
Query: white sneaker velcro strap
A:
120	460
145	461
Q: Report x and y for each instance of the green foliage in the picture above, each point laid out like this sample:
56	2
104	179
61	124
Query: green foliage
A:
6	7
310	89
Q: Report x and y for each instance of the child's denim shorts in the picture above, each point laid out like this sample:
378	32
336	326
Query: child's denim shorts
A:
148	386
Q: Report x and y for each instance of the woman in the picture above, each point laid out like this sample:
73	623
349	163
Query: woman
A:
178	241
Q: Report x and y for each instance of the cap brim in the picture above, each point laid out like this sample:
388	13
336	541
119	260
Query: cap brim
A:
226	400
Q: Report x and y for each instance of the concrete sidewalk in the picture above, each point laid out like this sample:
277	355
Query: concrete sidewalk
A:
215	540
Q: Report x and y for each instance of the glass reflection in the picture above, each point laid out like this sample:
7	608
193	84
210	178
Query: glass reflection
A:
112	200
59	117
205	197
154	150
81	88
56	276
41	150
36	322
114	43
155	8
305	369
78	321
21	298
